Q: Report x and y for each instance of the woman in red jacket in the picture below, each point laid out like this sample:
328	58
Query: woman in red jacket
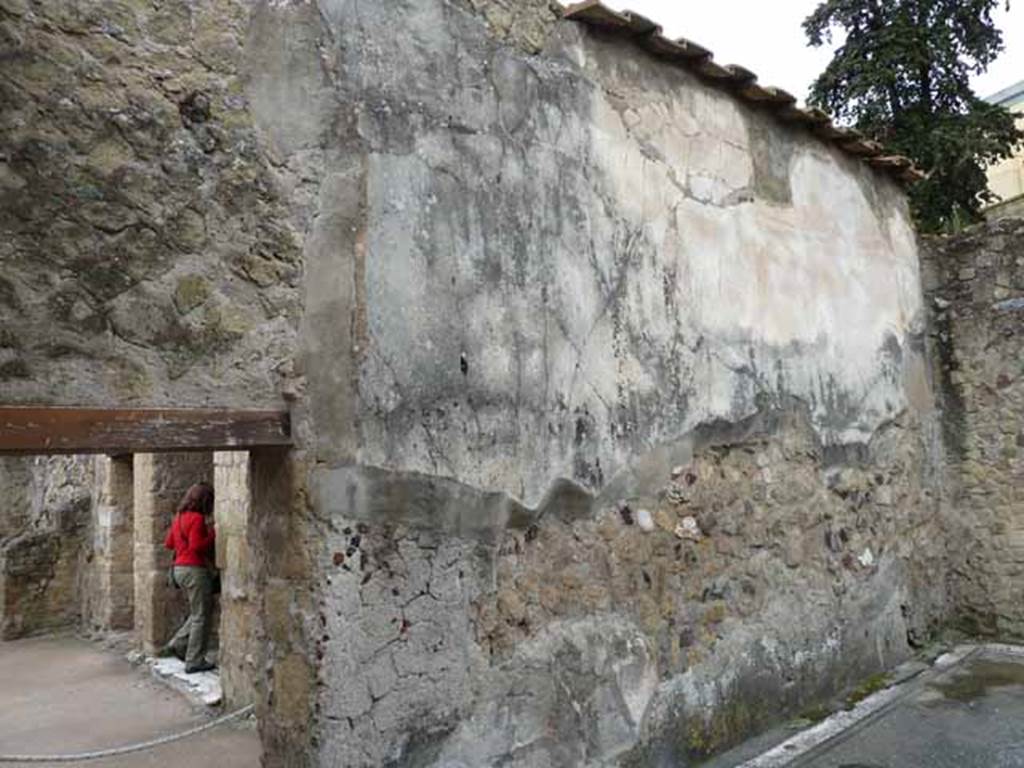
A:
192	539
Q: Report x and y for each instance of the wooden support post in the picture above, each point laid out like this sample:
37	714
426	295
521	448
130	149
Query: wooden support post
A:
42	430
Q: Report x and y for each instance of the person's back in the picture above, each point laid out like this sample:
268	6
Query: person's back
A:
190	539
193	543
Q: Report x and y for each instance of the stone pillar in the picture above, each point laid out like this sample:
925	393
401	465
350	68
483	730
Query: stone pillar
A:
237	655
160	480
111	606
282	541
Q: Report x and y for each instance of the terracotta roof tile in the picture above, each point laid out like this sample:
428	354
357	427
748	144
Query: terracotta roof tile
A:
640	25
754	92
694	51
661	46
741	76
742	82
779	97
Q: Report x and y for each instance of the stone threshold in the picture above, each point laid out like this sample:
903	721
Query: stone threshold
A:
200	688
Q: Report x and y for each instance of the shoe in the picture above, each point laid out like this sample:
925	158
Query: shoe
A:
200	666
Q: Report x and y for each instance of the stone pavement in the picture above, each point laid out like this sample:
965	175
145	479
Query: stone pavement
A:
965	713
67	695
971	716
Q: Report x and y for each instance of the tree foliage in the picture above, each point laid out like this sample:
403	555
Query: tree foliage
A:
902	76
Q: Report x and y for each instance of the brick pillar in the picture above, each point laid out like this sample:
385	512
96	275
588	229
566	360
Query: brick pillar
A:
112	604
237	657
160	480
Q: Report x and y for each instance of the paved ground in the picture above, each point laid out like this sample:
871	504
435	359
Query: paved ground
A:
61	695
969	717
966	711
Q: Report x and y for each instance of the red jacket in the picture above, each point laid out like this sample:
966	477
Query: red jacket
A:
190	539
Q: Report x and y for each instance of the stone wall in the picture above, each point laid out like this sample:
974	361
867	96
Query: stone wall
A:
538	286
45	543
143	224
758	576
285	538
975	286
16	483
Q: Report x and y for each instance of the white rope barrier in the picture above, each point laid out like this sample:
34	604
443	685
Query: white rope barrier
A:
236	715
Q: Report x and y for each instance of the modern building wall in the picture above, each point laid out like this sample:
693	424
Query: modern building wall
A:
1006	178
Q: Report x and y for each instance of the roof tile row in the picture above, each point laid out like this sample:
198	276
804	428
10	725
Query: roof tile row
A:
743	83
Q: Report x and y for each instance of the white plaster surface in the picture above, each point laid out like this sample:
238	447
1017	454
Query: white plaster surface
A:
639	255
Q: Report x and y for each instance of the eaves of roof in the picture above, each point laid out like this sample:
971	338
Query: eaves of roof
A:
742	84
1008	96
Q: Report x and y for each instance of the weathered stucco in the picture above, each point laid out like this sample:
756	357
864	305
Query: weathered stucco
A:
537	285
574	258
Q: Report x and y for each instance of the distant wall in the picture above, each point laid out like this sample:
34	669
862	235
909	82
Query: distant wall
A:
975	287
44	548
16	482
1008	209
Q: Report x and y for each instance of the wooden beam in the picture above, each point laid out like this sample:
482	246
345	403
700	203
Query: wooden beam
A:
42	430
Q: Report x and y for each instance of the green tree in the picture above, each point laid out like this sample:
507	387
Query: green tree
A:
902	76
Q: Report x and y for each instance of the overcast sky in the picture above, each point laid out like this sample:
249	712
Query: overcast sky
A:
766	37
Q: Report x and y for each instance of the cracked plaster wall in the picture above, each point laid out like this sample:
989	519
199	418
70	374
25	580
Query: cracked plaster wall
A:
569	258
583	637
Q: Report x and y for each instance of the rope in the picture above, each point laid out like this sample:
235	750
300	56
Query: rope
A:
236	715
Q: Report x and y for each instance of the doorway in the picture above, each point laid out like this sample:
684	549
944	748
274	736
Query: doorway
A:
137	464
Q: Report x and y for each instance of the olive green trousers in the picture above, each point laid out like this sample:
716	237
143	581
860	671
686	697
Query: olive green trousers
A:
194	634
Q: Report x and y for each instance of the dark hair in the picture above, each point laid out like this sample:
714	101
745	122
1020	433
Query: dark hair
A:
198	498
